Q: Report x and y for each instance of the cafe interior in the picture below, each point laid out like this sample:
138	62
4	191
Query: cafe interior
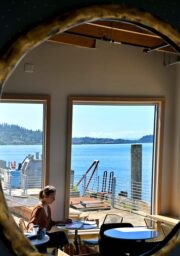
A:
96	51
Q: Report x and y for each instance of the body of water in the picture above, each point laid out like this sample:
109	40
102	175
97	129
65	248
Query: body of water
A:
112	158
11	153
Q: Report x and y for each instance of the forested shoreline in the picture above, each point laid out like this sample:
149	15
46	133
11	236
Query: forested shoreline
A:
16	135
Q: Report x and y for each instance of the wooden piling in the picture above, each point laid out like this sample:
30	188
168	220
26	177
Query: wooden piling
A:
136	171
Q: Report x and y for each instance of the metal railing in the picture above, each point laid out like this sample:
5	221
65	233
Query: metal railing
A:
129	195
122	194
16	183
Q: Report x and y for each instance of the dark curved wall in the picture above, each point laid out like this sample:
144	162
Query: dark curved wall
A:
18	17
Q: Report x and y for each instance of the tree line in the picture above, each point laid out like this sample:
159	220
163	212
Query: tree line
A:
11	134
89	140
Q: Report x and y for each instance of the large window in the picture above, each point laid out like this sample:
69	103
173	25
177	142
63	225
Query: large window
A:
24	153
114	147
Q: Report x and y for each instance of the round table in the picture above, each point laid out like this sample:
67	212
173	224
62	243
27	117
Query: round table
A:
133	233
129	240
33	239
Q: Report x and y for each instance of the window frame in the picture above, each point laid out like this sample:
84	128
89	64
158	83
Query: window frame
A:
159	102
45	100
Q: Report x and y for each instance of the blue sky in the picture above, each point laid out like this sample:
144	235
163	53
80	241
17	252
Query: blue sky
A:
25	115
112	121
100	121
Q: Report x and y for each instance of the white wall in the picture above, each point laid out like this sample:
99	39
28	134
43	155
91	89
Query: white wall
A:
62	70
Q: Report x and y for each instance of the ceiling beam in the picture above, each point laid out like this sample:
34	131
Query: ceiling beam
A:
162	47
66	38
124	26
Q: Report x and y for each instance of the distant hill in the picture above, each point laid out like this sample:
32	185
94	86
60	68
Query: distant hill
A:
89	140
16	135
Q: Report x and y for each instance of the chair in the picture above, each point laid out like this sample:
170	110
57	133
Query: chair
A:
154	224
83	250
162	227
166	229
168	246
22	225
58	240
109	246
113	218
150	223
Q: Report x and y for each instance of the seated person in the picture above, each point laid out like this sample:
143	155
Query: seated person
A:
41	216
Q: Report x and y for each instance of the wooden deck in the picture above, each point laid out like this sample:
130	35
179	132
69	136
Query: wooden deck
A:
88	204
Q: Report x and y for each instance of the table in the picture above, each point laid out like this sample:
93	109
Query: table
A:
36	242
133	233
128	240
79	225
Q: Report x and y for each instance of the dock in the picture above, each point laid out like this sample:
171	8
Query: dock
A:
88	204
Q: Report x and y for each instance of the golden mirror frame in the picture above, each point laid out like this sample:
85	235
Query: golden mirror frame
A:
20	245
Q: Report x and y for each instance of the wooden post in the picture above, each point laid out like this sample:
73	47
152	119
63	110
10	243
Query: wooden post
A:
113	192
72	179
136	171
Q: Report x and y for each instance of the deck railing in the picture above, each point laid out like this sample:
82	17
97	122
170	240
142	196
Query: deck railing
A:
129	195
123	194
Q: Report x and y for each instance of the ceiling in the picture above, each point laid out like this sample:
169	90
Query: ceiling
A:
119	32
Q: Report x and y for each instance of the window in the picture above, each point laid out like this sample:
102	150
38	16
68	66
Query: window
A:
114	146
24	140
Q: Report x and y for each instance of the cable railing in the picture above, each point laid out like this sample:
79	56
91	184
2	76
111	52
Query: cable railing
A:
129	195
118	193
18	184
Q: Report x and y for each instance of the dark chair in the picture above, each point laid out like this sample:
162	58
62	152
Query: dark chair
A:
109	246
57	240
166	244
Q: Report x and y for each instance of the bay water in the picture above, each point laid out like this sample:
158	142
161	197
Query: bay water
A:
17	153
114	158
